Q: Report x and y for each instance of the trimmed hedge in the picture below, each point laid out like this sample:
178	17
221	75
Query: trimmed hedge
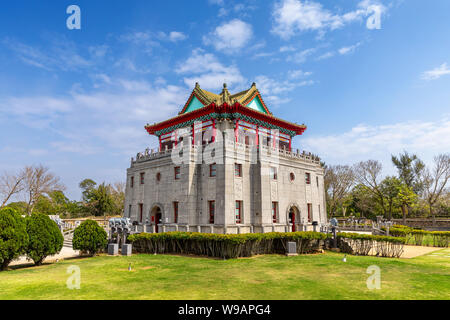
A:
45	238
226	245
362	244
420	237
89	237
13	236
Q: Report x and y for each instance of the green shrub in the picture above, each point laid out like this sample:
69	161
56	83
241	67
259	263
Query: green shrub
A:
45	238
362	244
89	237
13	236
225	245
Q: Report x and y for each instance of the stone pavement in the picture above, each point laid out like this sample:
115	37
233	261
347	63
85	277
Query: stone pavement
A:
65	253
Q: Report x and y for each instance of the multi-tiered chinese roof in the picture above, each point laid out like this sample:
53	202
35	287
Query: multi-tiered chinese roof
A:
246	108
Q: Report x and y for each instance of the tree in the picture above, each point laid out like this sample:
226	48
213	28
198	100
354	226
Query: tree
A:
390	188
89	237
99	200
118	197
87	185
435	180
406	198
364	201
338	180
39	181
368	173
45	238
13	236
410	170
10	185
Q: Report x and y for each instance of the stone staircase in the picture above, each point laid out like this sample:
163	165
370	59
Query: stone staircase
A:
68	237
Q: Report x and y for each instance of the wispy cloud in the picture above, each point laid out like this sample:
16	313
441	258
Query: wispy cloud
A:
60	54
378	142
87	122
436	73
273	90
349	49
293	16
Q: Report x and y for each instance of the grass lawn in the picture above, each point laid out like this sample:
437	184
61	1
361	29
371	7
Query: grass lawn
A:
320	276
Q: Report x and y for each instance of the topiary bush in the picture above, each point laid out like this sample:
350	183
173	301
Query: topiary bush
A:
45	238
13	236
89	237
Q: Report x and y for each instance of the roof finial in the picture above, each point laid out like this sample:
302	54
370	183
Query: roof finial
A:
253	84
197	85
224	85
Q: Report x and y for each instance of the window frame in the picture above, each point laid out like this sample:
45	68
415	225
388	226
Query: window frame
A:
142	178
211	166
212	211
238	167
177	175
238	208
141	212
275	211
132	182
307	177
273	173
310	213
175	212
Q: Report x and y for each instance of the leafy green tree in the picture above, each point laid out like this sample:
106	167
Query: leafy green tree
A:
390	188
20	207
100	200
87	185
13	236
45	238
410	170
406	198
89	237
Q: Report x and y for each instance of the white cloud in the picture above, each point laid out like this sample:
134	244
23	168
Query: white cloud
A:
89	122
379	142
230	36
60	54
326	55
287	49
295	74
349	49
293	16
301	56
208	71
272	90
175	36
436	73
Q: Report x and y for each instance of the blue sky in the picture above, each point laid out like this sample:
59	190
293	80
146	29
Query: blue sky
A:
77	100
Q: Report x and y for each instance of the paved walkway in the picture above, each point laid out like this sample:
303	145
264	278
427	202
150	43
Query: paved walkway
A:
415	251
63	254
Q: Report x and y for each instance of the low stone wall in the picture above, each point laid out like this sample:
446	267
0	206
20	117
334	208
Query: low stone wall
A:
426	224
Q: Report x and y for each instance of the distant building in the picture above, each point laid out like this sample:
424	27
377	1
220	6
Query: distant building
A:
225	165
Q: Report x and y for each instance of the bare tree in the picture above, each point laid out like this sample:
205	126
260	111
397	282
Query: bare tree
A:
435	181
39	181
368	173
10	185
338	181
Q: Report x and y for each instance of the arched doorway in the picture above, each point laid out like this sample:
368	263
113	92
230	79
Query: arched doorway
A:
156	216
293	217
